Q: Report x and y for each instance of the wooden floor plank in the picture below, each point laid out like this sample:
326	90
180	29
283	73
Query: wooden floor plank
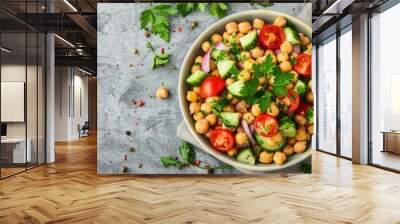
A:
70	191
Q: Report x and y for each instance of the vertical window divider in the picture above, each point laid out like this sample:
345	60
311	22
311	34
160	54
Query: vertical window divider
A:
316	97
338	74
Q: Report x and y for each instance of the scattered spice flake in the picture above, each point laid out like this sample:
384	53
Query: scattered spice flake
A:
162	50
193	25
131	149
140	165
147	34
128	133
139	103
135	51
197	162
180	29
124	169
130	65
125	157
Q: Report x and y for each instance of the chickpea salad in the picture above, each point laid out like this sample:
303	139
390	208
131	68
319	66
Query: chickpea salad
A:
250	92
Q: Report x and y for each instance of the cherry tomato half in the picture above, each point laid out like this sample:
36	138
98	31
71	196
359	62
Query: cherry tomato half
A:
289	103
222	139
266	125
212	86
271	37
303	65
302	109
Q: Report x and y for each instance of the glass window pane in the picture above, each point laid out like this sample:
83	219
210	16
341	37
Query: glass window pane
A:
327	96
346	94
385	89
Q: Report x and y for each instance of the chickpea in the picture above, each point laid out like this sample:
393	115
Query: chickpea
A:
229	96
248	65
248	117
214	72
288	150
286	47
199	59
198	116
280	21
226	36
213	65
279	158
212	99
206	108
241	138
310	129
282	56
195	68
244	27
257	52
291	141
194	108
237	37
245	55
300	119
205	46
310	84
216	38
262	80
235	100
304	40
273	109
300	146
269	52
258	23
228	108
244	75
191	96
290	86
285	66
212	119
162	92
266	157
201	126
231	27
241	107
260	60
309	52
310	97
301	134
232	152
277	137
255	109
229	81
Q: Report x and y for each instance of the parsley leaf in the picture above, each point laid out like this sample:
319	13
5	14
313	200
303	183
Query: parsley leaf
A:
201	6
218	9
187	153
168	161
185	8
293	61
265	4
265	68
281	79
155	18
249	89
218	105
264	101
158	59
235	50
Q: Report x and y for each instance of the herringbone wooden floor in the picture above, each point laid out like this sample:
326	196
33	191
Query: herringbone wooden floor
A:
70	191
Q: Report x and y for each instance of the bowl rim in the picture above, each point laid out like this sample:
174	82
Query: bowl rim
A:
182	99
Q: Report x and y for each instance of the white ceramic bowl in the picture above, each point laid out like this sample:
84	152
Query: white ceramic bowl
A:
195	50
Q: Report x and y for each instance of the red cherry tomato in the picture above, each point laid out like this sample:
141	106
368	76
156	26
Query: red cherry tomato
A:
303	64
271	37
212	86
266	125
222	139
302	109
289	103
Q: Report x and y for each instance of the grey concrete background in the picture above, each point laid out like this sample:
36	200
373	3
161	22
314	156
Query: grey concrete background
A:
124	76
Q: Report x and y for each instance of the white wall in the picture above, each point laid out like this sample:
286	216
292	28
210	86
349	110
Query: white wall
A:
70	83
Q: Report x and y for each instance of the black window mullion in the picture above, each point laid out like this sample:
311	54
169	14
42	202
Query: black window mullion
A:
338	115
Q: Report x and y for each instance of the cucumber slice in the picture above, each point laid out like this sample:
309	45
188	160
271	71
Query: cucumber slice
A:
292	35
246	157
300	87
264	142
249	41
215	53
196	78
230	119
235	88
225	67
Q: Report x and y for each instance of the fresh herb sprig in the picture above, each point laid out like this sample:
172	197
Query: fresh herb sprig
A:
218	9
186	8
187	159
158	59
155	19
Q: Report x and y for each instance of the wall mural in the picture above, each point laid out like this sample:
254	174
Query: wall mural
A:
200	88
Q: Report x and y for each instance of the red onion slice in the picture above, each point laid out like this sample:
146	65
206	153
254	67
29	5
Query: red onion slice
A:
277	52
251	128
205	65
296	48
247	131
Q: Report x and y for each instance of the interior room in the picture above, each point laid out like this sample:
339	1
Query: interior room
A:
49	155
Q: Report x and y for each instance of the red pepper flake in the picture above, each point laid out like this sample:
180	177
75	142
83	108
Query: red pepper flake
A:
162	50
197	162
139	103
180	29
126	157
